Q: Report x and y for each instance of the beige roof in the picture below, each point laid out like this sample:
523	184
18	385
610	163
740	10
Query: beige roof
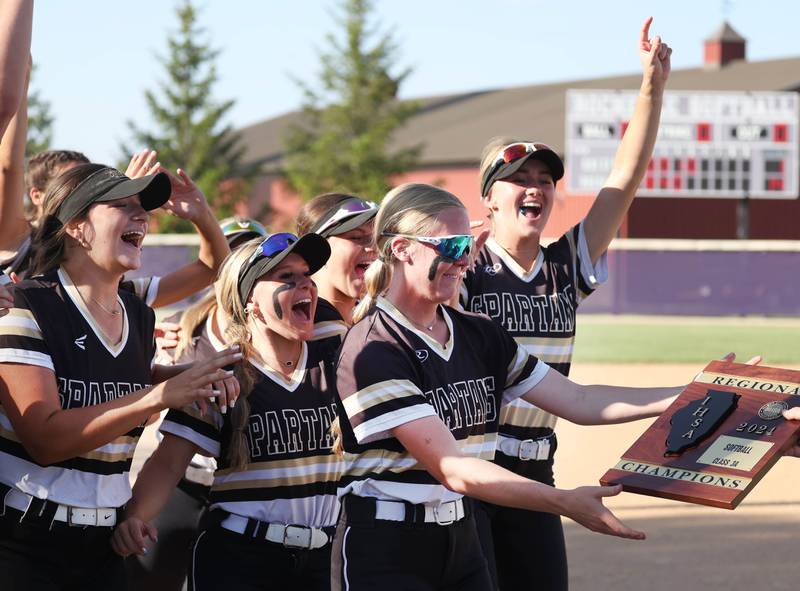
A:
453	129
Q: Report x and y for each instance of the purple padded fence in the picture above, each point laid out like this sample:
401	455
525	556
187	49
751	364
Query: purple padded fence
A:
684	282
702	283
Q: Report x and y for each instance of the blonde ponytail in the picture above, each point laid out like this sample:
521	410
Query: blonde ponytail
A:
237	332
377	279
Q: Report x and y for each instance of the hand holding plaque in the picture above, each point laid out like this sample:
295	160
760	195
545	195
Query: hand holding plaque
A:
717	439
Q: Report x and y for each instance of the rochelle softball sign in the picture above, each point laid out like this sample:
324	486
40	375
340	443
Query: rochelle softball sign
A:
710	144
717	440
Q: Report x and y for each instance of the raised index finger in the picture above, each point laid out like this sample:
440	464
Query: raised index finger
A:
645	35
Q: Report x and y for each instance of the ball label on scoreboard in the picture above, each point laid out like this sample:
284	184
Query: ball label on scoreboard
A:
710	144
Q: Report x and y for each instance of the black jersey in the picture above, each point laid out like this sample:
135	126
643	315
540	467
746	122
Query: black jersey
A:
328	322
537	307
292	475
144	288
50	326
390	373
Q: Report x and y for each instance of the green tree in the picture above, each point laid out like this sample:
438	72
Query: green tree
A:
190	129
341	143
40	122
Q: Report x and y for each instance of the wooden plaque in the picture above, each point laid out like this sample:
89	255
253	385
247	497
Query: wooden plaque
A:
717	439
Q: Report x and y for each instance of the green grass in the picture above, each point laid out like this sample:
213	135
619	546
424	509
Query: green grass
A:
610	339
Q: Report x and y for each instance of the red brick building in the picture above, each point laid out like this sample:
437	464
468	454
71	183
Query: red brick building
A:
453	129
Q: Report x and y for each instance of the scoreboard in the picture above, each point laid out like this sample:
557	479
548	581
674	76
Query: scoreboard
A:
710	144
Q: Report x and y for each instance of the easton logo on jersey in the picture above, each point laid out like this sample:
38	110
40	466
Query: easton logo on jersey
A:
80	342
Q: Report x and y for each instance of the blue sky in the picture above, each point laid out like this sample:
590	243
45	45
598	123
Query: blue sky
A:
95	58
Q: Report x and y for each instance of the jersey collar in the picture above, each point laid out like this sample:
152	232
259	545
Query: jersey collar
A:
290	383
442	351
74	295
514	266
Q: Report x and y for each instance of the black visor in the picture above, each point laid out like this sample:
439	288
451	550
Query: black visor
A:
503	168
109	184
313	248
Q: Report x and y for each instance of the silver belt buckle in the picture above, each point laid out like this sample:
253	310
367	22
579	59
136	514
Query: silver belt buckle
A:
300	539
528	449
543	453
454	514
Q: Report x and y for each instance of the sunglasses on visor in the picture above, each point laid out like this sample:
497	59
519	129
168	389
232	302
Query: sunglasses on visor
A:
242	226
346	210
272	245
450	247
516	151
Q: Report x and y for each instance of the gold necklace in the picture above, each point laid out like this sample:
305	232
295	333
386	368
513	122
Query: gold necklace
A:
426	327
104	309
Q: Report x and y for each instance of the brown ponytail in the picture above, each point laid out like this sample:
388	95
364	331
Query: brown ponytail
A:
49	241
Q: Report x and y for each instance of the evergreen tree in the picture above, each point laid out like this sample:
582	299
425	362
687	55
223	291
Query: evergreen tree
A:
40	122
342	141
191	133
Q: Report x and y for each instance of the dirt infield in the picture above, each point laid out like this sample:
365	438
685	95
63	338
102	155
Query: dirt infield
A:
688	547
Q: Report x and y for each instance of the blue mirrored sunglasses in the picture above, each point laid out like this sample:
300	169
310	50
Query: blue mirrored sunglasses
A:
272	245
451	247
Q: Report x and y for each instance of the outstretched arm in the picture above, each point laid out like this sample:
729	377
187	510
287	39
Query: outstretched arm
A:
433	446
13	225
635	149
50	433
598	405
16	17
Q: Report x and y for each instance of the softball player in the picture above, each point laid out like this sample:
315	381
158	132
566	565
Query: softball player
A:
200	334
75	375
273	499
420	388
533	292
346	222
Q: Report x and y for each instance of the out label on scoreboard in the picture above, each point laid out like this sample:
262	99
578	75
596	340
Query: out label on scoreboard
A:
710	144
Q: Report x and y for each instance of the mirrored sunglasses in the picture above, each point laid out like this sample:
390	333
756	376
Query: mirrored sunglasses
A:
518	150
273	245
450	247
240	226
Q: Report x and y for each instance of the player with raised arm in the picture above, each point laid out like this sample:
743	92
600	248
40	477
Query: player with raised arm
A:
75	383
420	388
534	291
